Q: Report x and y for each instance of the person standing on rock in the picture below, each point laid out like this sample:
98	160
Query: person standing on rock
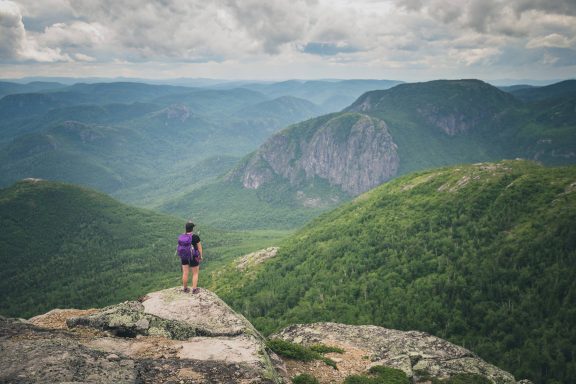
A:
190	252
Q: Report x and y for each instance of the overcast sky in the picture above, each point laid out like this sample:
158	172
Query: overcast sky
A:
409	40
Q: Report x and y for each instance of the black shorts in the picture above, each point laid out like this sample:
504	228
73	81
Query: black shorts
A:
193	263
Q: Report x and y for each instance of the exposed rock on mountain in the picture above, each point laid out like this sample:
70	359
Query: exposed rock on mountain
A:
168	337
354	152
172	337
418	354
256	258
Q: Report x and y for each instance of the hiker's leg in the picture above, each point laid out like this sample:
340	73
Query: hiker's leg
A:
185	269
195	276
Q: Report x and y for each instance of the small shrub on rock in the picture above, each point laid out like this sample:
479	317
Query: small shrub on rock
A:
298	352
466	378
321	348
292	350
304	378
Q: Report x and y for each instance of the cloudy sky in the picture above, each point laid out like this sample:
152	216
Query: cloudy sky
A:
407	40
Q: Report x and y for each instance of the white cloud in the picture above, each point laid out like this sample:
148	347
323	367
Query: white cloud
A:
15	44
310	36
552	40
75	34
11	30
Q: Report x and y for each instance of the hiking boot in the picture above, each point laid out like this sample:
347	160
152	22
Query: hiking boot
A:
196	290
186	290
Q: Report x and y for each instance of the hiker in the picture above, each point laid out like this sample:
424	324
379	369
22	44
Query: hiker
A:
190	252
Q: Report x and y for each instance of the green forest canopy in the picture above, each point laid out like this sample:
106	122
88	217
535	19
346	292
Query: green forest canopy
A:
69	247
482	255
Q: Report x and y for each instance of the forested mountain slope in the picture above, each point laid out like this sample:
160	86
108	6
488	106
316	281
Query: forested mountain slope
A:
64	246
483	255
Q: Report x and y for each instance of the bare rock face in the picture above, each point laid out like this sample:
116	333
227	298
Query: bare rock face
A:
415	353
353	152
256	258
167	336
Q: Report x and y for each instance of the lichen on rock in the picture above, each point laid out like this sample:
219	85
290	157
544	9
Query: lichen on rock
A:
170	336
410	351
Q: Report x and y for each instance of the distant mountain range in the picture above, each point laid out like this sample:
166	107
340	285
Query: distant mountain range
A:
140	142
319	163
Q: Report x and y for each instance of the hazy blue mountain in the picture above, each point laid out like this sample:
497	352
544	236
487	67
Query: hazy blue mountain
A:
29	104
271	115
319	163
563	89
140	142
513	88
214	102
331	95
8	88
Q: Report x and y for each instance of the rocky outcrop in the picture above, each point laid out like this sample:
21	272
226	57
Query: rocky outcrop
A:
418	354
173	337
167	336
255	258
352	152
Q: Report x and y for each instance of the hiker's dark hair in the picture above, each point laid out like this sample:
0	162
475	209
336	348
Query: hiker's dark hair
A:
189	226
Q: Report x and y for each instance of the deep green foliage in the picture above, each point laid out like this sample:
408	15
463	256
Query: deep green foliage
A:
379	375
299	352
321	348
482	255
292	350
464	378
305	378
69	247
362	379
225	204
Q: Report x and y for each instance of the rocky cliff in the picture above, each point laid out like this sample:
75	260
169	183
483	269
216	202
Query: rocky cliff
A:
173	337
352	152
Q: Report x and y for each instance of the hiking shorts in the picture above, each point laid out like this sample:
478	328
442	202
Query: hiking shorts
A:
193	263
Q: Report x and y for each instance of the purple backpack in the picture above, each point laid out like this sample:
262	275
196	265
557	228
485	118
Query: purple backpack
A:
185	249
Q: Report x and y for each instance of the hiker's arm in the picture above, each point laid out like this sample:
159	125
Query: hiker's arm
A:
200	250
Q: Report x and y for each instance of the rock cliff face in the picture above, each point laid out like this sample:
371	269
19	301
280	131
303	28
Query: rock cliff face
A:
353	152
173	337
